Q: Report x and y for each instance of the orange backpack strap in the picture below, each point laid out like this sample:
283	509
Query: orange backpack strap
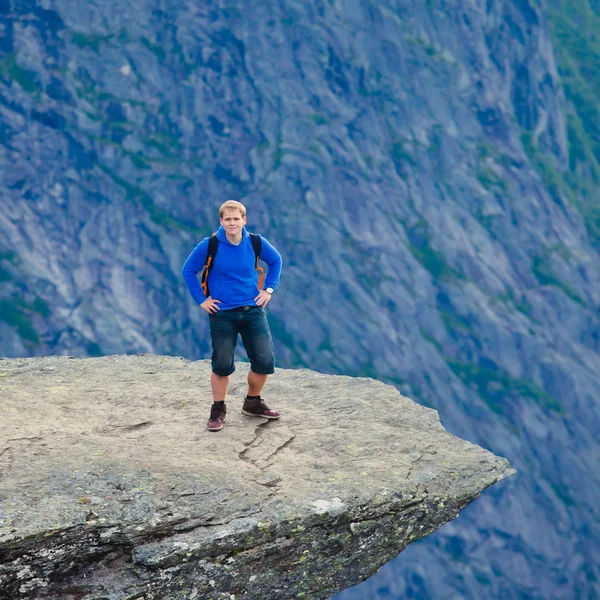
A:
213	246
257	247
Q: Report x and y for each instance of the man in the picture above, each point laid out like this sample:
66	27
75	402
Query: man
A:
235	305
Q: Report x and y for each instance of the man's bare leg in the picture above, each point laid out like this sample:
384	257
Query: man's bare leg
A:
218	386
256	383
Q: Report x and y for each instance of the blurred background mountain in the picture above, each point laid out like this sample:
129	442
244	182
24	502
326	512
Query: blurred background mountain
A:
429	171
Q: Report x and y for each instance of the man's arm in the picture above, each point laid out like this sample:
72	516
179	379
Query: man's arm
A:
273	259
193	265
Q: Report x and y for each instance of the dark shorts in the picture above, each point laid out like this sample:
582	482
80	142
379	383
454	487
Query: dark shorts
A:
251	323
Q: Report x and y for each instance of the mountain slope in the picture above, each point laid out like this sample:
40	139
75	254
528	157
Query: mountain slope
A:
425	170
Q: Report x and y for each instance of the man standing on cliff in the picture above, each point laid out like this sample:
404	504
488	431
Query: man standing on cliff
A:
235	305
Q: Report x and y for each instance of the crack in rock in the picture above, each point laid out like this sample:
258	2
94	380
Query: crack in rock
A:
412	464
115	430
418	459
282	447
262	449
257	439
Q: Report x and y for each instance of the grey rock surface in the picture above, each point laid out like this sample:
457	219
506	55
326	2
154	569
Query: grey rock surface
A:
111	487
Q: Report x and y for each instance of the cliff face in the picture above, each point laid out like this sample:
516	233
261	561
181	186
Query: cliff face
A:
119	490
427	169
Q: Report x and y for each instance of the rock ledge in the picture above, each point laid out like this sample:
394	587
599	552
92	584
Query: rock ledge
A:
112	488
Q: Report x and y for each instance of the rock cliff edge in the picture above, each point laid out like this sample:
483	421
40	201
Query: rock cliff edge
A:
111	486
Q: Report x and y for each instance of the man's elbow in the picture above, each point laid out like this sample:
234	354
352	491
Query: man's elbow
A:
187	272
276	263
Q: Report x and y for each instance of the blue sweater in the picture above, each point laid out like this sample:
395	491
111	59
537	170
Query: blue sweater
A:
232	278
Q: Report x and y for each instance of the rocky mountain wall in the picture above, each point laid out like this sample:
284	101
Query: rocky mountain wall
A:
422	166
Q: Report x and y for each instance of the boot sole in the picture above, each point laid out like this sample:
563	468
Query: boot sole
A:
219	428
249	414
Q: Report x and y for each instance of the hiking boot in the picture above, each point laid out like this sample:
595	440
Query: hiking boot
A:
256	407
217	415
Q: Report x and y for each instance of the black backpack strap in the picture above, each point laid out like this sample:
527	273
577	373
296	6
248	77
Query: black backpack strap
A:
257	247
213	246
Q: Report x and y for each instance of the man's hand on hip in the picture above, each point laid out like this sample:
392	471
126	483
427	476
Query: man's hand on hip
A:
263	298
211	306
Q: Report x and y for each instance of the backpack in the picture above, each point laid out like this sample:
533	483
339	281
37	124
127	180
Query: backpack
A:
213	246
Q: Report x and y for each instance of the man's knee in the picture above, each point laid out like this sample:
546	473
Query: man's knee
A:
224	368
262	358
222	360
221	373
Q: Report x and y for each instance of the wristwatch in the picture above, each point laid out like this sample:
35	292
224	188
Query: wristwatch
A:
269	290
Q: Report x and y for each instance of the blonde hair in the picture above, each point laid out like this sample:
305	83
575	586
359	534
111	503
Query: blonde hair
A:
233	204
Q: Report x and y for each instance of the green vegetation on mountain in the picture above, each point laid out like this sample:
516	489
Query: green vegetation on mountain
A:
498	389
574	26
18	313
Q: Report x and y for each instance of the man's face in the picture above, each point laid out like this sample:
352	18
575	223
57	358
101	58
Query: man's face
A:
232	221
